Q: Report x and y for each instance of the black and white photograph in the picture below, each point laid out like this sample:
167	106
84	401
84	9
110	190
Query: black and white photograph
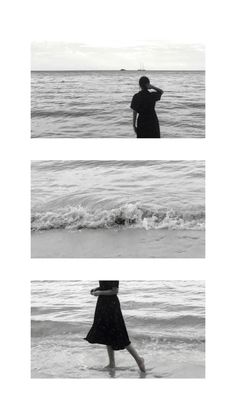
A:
118	89
117	329
118	209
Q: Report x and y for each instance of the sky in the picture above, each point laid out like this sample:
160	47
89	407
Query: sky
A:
114	55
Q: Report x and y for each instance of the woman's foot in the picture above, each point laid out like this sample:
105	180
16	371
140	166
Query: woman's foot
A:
141	365
110	367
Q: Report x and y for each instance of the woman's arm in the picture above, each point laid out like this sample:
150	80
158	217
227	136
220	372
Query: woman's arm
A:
113	291
156	89
94	289
134	121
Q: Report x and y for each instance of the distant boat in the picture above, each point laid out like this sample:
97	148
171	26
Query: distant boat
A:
141	68
122	69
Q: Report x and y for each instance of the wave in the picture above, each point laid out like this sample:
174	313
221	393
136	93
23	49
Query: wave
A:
177	321
58	113
43	328
70	113
166	339
129	215
76	330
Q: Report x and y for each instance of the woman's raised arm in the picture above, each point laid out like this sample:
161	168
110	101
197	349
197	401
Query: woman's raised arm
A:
155	88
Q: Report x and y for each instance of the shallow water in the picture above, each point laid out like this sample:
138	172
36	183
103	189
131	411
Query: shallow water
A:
97	103
165	321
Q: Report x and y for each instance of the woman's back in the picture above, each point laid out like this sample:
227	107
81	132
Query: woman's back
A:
144	102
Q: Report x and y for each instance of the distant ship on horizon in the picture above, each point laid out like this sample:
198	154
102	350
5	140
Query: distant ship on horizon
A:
141	68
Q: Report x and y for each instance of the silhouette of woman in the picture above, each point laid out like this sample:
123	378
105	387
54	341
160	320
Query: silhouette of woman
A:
143	105
109	327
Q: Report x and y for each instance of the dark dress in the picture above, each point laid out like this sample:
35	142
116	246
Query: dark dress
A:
144	104
108	326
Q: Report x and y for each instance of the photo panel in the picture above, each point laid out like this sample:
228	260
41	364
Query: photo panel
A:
123	89
118	209
117	329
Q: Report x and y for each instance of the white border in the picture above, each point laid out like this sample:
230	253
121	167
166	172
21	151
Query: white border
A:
181	399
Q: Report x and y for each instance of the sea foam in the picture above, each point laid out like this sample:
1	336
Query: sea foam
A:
126	216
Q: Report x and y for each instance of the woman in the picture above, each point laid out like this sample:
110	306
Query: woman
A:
109	327
143	104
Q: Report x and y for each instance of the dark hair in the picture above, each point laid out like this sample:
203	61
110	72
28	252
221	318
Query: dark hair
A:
143	81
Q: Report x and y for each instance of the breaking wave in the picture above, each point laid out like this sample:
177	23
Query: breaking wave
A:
126	216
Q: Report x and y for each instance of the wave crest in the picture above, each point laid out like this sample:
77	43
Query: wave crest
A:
129	215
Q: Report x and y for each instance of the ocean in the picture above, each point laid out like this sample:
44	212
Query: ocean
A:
118	208
165	321
96	104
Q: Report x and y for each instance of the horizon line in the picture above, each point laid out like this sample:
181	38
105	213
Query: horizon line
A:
142	71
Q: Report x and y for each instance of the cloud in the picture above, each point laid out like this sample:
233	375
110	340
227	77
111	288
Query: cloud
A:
114	55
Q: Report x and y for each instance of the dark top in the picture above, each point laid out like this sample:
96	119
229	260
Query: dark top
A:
144	104
108	285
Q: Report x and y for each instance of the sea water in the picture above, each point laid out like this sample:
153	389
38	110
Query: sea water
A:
165	321
138	206
92	104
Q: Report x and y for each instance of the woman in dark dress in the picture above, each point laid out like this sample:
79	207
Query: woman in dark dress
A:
143	105
109	327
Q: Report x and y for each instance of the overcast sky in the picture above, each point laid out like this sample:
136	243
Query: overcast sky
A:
114	55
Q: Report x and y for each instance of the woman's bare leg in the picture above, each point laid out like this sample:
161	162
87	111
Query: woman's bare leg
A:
111	356
135	355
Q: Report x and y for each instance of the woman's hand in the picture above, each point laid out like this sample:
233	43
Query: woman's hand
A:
94	293
150	86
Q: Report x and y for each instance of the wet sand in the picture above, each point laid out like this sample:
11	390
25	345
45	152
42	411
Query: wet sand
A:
122	243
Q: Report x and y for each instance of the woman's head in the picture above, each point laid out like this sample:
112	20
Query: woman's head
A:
144	82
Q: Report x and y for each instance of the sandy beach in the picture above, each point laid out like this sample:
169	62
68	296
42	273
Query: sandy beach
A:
122	243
